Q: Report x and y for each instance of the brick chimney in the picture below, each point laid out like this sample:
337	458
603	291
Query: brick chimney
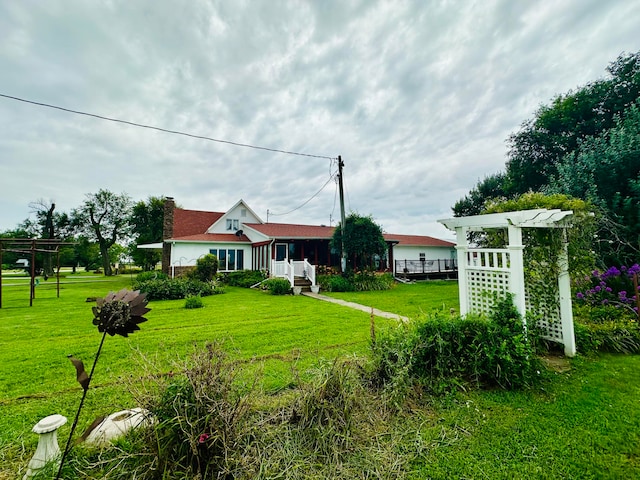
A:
167	232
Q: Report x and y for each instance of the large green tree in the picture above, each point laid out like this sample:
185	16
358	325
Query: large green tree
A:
556	134
363	240
606	171
105	217
146	221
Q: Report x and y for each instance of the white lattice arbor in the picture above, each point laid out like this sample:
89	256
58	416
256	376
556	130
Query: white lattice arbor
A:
483	272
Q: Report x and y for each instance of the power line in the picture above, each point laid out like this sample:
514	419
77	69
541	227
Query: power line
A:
174	132
303	204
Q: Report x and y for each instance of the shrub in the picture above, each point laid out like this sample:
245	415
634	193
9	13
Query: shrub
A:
278	286
244	278
193	302
440	353
616	336
152	275
368	281
335	283
176	288
206	268
204	418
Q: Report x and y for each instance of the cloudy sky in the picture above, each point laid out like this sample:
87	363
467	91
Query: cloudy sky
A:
418	97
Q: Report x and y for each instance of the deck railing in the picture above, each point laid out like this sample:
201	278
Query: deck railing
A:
443	265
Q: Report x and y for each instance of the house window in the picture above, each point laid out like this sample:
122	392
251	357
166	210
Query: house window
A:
233	224
229	259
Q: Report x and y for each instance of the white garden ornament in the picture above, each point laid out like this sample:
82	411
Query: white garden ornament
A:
485	271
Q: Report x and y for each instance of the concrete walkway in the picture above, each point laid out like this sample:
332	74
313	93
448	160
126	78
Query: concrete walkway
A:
357	306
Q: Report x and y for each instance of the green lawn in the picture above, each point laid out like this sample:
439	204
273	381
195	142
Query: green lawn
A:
411	300
583	424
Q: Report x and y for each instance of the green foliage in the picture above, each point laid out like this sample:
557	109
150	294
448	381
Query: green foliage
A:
335	283
367	281
545	245
363	240
153	275
206	268
364	281
176	288
105	218
606	171
243	278
583	144
193	302
277	286
147	220
204	418
440	353
617	335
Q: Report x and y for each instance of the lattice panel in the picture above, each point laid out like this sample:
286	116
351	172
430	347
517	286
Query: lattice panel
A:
544	300
482	285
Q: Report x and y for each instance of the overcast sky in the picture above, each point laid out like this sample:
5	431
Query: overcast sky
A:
418	97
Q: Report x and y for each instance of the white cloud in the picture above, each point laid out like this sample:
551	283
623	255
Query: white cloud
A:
418	98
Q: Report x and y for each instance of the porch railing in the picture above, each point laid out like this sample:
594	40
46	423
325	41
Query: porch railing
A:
293	268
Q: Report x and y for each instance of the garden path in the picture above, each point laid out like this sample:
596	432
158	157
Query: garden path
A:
357	306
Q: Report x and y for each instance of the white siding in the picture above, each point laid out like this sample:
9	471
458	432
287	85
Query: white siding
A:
185	254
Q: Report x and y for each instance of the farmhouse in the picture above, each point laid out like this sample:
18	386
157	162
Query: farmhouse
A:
241	240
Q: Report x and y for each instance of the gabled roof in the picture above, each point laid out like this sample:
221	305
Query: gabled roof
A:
213	237
291	231
192	222
417	240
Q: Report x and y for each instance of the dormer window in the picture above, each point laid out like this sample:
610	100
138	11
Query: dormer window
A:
232	224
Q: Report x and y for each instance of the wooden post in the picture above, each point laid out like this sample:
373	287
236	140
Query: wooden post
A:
564	293
32	290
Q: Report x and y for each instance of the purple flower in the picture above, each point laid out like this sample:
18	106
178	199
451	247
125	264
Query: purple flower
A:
605	302
580	296
608	289
622	294
598	288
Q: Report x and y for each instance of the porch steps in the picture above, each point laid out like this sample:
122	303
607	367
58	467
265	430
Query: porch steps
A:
304	283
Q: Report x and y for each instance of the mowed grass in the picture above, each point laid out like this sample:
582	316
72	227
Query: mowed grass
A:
410	300
582	424
281	336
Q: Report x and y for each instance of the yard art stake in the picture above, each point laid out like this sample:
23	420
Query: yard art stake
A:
117	313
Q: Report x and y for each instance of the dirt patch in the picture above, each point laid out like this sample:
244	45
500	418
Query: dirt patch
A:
557	364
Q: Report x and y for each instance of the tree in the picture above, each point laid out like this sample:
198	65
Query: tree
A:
147	218
558	130
492	187
557	133
363	240
104	216
606	171
49	224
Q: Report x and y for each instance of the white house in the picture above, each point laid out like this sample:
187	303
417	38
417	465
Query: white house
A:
241	240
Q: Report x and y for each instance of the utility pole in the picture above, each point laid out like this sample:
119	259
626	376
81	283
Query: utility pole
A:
343	260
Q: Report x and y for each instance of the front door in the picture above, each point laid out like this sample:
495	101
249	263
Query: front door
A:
282	252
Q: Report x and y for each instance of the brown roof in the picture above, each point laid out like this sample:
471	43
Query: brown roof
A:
190	225
418	240
288	230
192	222
213	237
